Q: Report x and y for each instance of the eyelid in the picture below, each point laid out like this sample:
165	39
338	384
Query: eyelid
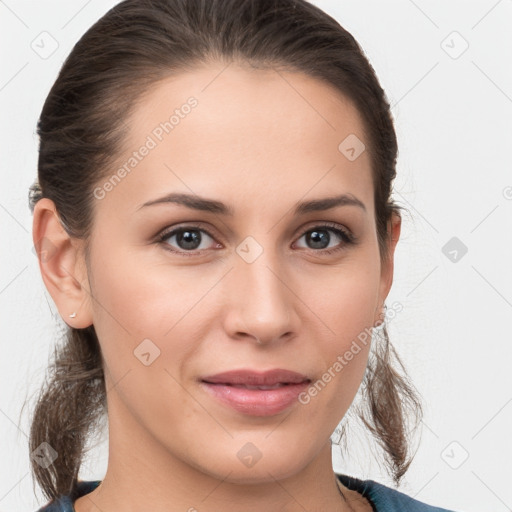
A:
329	225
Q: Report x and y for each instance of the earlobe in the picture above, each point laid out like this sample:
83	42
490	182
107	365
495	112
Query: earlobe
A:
62	265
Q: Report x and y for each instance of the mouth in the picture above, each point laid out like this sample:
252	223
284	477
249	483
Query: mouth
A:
247	386
268	379
256	393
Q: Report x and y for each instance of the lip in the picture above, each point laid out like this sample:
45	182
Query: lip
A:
230	388
257	378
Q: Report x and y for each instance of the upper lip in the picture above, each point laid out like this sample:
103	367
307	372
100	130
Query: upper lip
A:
255	378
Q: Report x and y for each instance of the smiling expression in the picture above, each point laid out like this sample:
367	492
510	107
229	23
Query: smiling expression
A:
243	239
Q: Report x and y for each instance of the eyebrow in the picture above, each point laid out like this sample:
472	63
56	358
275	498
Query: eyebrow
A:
210	205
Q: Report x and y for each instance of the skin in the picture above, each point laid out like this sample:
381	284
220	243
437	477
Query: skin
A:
260	146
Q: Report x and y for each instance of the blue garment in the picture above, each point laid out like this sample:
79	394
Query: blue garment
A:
386	499
381	497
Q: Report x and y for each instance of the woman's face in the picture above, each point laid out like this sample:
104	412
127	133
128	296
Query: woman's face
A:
253	282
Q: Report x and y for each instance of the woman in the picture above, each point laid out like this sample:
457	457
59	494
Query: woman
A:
214	221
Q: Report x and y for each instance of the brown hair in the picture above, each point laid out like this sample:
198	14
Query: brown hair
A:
81	130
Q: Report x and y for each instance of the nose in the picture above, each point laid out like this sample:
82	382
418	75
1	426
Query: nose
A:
260	303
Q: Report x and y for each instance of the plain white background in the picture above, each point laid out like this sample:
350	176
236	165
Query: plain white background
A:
446	69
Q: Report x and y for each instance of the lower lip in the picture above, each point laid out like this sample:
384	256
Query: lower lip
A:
256	402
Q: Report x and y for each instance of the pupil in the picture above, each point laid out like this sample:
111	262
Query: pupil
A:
188	239
317	236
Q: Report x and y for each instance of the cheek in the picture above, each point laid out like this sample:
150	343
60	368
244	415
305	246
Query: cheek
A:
136	300
345	304
344	298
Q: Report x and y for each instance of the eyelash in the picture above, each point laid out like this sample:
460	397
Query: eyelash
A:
347	237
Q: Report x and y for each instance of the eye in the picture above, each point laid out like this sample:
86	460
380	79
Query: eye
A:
319	238
191	239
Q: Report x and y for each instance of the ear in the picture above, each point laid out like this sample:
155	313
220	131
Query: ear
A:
62	265
387	268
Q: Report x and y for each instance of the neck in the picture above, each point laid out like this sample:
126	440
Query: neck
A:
143	474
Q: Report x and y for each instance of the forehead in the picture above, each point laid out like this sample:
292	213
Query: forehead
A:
238	132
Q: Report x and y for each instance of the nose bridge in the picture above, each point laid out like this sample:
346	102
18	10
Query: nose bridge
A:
261	296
